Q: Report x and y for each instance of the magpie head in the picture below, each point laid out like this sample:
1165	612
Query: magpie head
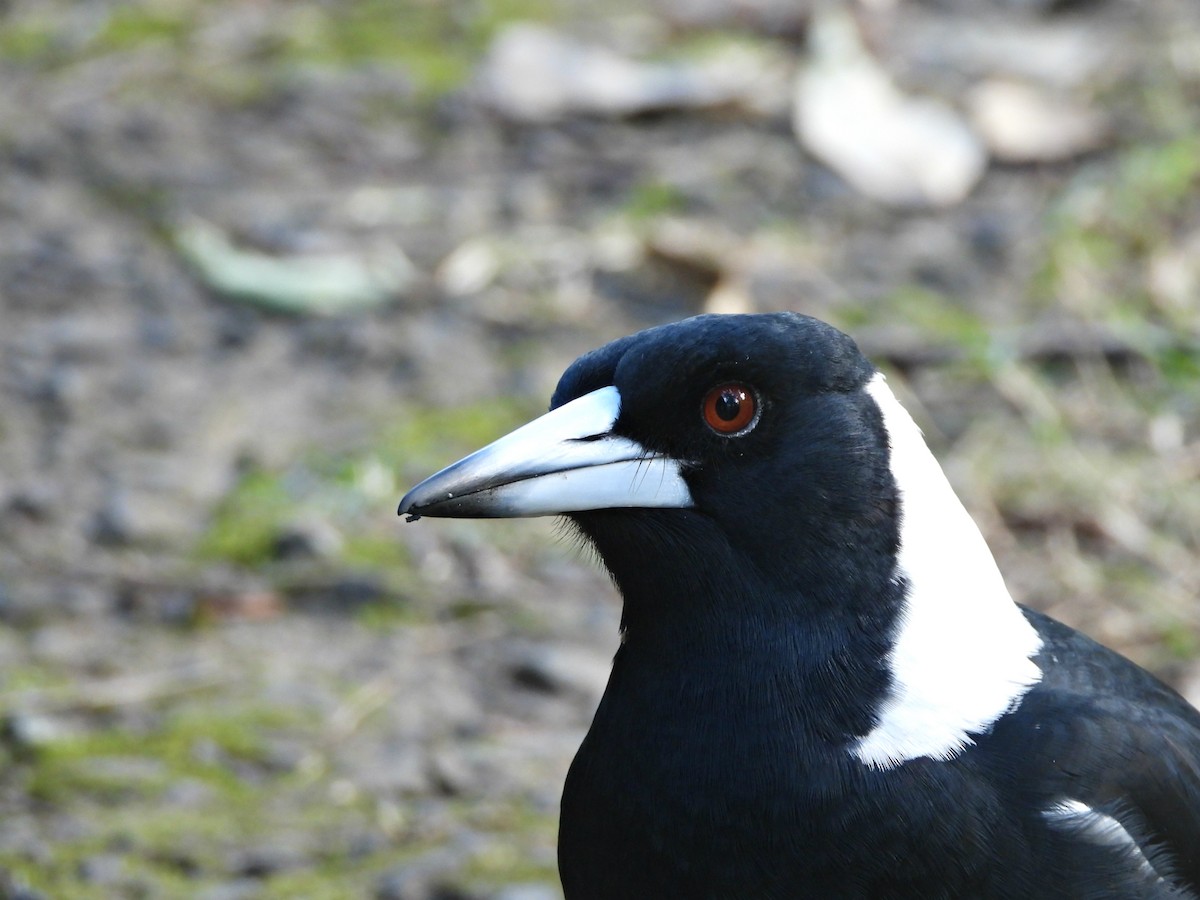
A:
755	475
742	439
765	421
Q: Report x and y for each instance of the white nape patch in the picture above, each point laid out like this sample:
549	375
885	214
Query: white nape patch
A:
1098	828
962	652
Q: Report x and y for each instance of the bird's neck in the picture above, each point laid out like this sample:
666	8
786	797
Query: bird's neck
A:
704	629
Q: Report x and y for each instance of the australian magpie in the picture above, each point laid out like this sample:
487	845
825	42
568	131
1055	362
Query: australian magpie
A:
823	688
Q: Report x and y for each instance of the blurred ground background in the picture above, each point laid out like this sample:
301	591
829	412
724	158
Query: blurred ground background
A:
265	264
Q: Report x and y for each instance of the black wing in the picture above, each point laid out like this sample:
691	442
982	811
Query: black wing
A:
1121	742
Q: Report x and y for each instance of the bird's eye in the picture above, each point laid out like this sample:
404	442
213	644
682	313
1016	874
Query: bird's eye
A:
730	409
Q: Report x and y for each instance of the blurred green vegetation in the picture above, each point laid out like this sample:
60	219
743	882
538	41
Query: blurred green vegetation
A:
438	44
435	43
1111	222
196	784
344	492
652	199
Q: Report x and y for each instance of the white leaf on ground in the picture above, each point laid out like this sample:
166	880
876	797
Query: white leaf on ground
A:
469	268
534	74
900	150
1023	124
1173	277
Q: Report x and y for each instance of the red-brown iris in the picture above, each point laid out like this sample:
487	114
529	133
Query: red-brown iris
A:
730	408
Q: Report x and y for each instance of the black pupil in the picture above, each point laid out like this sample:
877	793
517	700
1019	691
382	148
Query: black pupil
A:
729	404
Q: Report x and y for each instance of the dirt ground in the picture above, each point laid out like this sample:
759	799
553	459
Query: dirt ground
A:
264	265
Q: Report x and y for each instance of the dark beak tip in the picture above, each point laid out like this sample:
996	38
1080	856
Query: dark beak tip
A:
406	509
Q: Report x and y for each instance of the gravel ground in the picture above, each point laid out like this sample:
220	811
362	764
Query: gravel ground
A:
226	669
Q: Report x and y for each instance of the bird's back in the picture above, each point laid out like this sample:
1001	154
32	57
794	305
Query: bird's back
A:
1100	733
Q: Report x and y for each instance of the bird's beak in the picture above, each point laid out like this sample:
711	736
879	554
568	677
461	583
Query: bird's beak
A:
566	461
